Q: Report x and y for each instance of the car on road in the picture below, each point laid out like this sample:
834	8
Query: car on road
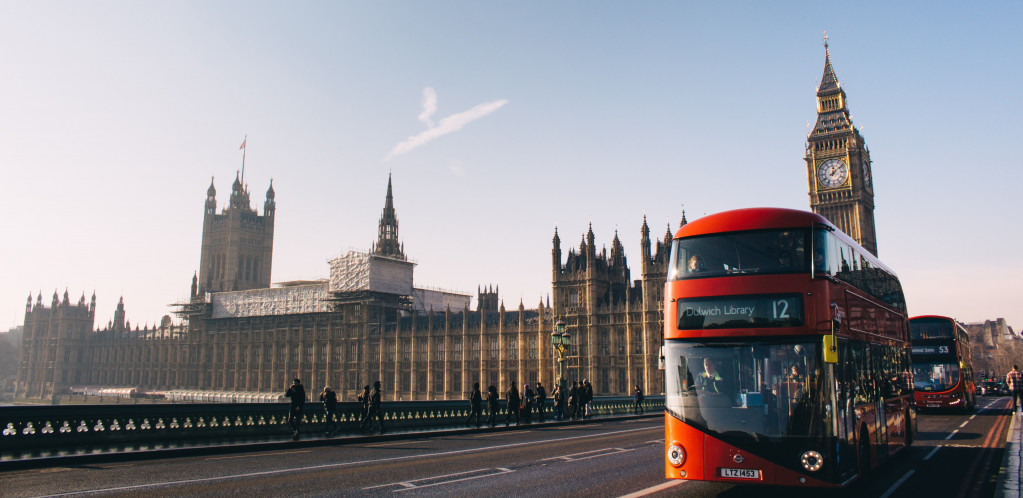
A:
994	388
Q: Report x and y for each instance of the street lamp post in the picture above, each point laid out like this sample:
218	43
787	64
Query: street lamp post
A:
561	340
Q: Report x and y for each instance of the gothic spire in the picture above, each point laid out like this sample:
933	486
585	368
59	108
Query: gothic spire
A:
387	235
829	81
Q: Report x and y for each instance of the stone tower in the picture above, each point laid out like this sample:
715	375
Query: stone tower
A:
838	164
237	245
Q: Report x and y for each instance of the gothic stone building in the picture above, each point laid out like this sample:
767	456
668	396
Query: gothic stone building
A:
365	323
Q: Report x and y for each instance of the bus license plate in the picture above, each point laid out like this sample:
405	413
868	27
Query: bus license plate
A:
741	473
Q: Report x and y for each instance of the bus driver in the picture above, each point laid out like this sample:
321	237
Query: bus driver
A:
710	378
696	264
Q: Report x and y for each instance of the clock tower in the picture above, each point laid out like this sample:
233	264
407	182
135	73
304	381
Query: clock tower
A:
838	164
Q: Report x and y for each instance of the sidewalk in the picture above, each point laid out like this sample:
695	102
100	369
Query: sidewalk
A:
1010	474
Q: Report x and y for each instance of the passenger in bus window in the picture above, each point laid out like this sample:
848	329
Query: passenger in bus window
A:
794	374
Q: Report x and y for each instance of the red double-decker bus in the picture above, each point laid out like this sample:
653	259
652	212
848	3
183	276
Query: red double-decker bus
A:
942	363
786	352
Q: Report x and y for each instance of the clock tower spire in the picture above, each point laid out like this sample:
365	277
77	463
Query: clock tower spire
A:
838	164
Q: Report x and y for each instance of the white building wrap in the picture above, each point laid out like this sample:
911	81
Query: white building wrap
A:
273	301
357	271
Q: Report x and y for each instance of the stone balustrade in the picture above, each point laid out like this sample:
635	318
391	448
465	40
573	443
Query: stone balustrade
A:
57	428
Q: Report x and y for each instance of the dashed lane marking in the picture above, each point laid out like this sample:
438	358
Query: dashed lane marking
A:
897	484
655	489
426	482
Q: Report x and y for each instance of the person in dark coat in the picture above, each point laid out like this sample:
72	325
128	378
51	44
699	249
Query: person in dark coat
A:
559	403
527	403
297	394
513	405
329	399
475	399
541	399
637	399
374	409
492	405
573	400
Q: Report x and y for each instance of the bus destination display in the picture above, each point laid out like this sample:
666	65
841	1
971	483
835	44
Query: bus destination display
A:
720	312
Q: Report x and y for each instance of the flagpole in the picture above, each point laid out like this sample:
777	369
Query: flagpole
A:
244	147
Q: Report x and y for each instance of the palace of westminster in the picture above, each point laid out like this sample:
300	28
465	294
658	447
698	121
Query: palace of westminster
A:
368	322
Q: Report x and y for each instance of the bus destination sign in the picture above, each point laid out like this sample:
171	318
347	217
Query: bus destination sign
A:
728	312
931	349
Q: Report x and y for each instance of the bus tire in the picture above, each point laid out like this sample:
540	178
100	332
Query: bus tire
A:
864	453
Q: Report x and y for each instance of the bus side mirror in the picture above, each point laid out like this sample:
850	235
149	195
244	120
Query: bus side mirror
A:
830	349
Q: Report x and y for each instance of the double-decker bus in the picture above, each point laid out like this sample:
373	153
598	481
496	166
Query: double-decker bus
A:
942	363
786	351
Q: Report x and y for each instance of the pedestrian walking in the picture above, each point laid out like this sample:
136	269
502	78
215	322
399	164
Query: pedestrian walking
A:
492	405
513	405
364	398
587	398
475	399
573	400
329	399
541	399
374	410
559	403
637	398
528	397
1015	381
297	394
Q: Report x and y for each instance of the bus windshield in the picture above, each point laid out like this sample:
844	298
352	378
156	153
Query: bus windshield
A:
751	390
935	376
931	328
762	251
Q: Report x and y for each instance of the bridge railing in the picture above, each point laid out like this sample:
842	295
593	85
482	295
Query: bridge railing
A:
66	426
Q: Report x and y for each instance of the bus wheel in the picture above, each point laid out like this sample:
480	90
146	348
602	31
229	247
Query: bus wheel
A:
864	454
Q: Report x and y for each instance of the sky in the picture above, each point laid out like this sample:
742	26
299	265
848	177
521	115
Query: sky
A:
499	122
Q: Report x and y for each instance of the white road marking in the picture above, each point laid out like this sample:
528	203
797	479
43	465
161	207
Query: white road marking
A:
963	424
348	464
589	454
897	484
952	434
935	450
478	473
655	489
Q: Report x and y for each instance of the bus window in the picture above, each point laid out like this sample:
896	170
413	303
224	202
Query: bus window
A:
761	251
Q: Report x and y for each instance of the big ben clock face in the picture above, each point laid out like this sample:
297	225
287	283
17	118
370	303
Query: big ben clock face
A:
832	173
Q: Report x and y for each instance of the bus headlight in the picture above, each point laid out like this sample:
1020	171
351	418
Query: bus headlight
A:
812	461
676	455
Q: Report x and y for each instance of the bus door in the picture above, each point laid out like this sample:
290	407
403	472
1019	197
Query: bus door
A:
881	412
